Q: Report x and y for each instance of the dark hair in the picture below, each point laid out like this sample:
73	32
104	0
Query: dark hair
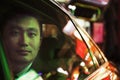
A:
13	13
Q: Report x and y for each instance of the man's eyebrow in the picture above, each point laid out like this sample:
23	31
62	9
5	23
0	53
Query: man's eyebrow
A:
33	29
14	27
29	29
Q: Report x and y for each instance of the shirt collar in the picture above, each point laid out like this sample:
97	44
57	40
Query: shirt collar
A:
24	70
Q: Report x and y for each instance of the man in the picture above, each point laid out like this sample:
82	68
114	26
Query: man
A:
21	38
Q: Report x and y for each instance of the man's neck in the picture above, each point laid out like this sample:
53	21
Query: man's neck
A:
18	67
23	71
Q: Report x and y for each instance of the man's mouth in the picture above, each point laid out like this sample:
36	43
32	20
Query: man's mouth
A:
24	52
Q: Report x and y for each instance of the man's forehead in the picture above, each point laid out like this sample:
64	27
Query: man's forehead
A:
23	22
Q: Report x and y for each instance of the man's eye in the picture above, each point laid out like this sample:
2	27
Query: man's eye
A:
32	34
14	33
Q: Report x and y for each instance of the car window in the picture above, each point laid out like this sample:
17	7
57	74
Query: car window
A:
65	47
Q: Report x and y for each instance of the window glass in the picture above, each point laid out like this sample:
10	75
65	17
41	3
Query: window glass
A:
63	47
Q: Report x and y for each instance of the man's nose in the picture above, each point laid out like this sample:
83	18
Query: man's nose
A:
24	40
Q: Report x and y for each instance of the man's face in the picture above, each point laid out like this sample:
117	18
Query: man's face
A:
21	39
